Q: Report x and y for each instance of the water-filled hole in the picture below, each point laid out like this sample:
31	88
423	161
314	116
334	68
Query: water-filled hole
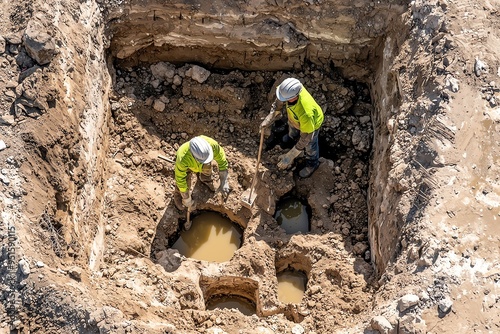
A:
212	237
242	304
293	215
291	286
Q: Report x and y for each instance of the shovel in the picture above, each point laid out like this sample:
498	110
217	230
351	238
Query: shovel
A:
248	197
187	225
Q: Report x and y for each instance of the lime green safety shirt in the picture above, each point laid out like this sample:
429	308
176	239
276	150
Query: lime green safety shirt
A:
185	162
305	115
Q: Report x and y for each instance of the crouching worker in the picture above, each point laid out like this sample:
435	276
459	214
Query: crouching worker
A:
195	156
304	121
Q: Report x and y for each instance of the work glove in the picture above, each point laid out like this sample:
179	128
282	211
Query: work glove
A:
267	121
224	183
270	117
187	201
287	159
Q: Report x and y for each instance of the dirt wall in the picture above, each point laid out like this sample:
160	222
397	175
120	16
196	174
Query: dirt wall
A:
383	198
254	35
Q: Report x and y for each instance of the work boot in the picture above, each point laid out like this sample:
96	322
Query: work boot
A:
308	171
187	225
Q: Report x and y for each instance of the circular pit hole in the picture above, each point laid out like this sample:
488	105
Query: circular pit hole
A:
293	214
212	237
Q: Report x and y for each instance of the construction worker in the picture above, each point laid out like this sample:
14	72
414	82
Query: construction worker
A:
196	156
304	121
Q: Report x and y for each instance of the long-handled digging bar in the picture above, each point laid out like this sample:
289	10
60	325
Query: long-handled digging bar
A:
187	226
248	196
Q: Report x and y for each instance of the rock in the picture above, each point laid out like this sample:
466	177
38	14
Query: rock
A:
2	145
75	273
445	305
7	119
40	264
177	80
298	329
39	44
198	73
215	330
169	259
158	105
16	324
480	67
407	301
24	266
136	160
413	253
155	83
115	106
11	161
315	289
5	180
364	119
424	296
10	94
14	38
429	254
163	70
360	248
263	330
410	324
106	319
128	152
356	136
359	172
381	324
452	84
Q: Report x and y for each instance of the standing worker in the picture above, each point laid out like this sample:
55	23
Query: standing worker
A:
304	121
196	156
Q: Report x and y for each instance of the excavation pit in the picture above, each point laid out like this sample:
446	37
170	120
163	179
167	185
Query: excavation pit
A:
168	87
212	237
293	215
291	286
160	106
230	293
231	302
91	123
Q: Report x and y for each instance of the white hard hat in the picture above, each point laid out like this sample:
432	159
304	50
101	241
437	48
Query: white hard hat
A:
201	150
288	89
